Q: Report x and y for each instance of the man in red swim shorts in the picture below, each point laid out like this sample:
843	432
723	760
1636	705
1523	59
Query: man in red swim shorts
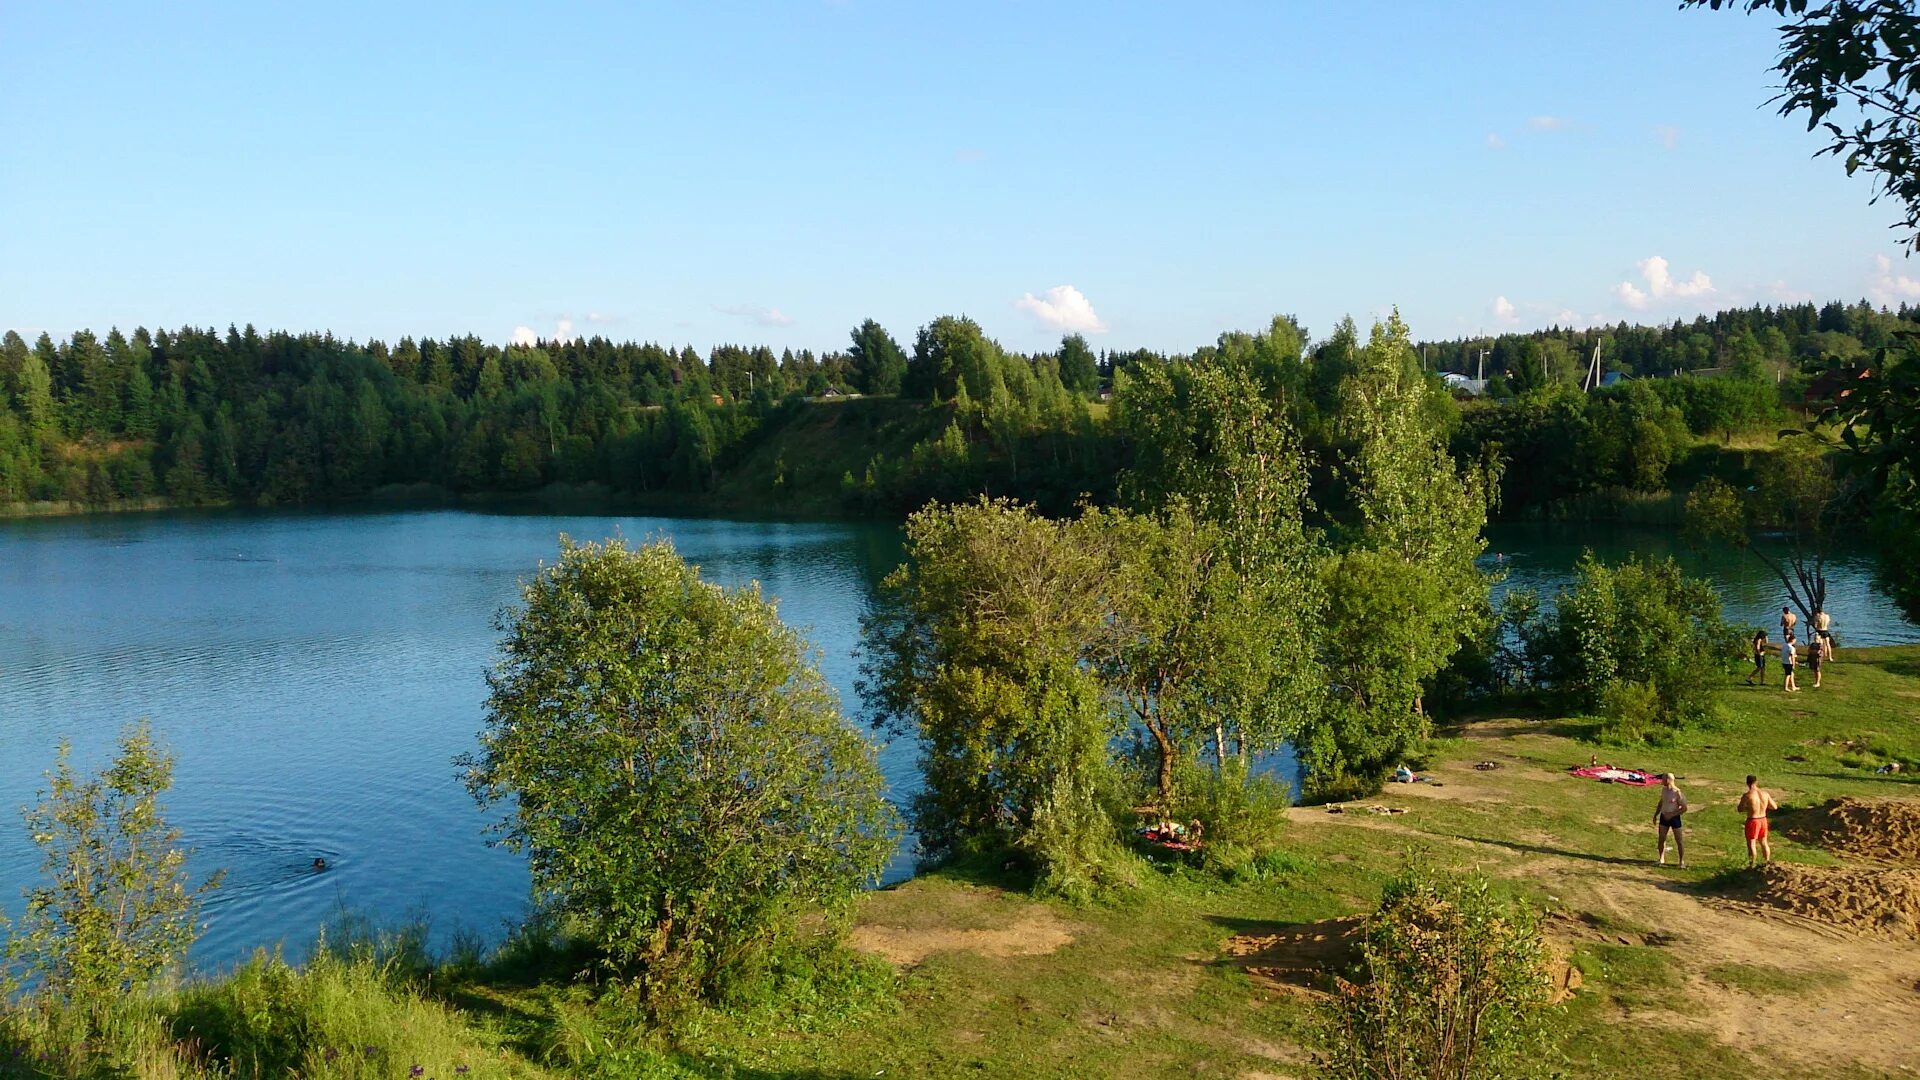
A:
1755	804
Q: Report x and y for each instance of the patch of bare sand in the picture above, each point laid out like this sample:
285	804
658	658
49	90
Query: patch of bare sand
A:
1867	900
1882	828
1035	932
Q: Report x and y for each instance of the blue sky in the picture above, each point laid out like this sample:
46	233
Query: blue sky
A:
776	172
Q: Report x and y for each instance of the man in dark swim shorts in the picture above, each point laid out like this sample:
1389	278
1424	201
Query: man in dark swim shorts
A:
1673	805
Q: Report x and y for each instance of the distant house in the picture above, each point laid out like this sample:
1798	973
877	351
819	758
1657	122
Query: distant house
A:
1612	377
1463	385
1832	385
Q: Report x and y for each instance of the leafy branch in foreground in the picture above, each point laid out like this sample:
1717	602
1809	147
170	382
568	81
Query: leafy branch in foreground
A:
116	910
1857	63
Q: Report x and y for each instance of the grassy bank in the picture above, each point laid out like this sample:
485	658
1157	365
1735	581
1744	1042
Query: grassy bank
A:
963	975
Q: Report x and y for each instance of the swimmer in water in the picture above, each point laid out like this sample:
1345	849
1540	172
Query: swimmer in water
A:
319	864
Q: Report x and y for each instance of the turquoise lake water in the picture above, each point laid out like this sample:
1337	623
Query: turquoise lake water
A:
315	675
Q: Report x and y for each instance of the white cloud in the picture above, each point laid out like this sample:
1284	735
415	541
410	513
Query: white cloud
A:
1888	288
969	154
758	316
1495	142
1548	123
1503	310
1654	270
528	336
1063	308
1781	292
1669	135
601	317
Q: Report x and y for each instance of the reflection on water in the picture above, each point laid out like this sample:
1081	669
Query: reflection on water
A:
1541	557
316	674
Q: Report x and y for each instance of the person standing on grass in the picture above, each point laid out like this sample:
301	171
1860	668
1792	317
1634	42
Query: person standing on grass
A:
1755	804
1814	649
1759	658
1787	620
1786	665
1673	806
1823	632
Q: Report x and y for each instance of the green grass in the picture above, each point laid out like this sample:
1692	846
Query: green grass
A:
1762	979
1142	987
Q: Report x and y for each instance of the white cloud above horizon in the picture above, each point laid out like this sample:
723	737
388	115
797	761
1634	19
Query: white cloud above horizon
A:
1661	285
1063	307
1890	288
1548	123
562	331
1503	310
1495	142
758	316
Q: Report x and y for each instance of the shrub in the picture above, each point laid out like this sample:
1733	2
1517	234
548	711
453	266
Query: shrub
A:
1450	984
676	769
116	910
1241	811
1640	622
1626	709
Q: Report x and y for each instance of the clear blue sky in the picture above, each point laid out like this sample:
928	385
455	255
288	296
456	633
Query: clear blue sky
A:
776	172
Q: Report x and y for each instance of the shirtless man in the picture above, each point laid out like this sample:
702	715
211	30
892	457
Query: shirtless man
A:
1667	816
1755	804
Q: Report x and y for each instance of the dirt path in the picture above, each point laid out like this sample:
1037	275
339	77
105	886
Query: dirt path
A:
1869	1018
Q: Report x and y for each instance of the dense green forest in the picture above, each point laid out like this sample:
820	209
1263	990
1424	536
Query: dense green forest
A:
194	416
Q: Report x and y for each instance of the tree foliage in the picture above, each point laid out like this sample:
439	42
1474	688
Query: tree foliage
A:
1403	591
983	655
116	908
1639	632
673	765
1876	409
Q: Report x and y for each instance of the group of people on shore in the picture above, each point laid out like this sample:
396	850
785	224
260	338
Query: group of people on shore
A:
1669	818
1819	649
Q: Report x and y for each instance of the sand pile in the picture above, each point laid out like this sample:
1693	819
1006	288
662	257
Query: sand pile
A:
1887	829
1876	901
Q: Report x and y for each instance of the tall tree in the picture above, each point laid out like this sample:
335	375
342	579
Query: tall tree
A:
1404	591
878	361
985	657
674	766
1078	371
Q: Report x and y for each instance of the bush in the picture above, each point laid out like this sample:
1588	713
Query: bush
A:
1626	709
1450	984
116	911
677	770
1641	622
1242	812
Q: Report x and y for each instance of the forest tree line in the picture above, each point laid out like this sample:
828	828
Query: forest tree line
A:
196	416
